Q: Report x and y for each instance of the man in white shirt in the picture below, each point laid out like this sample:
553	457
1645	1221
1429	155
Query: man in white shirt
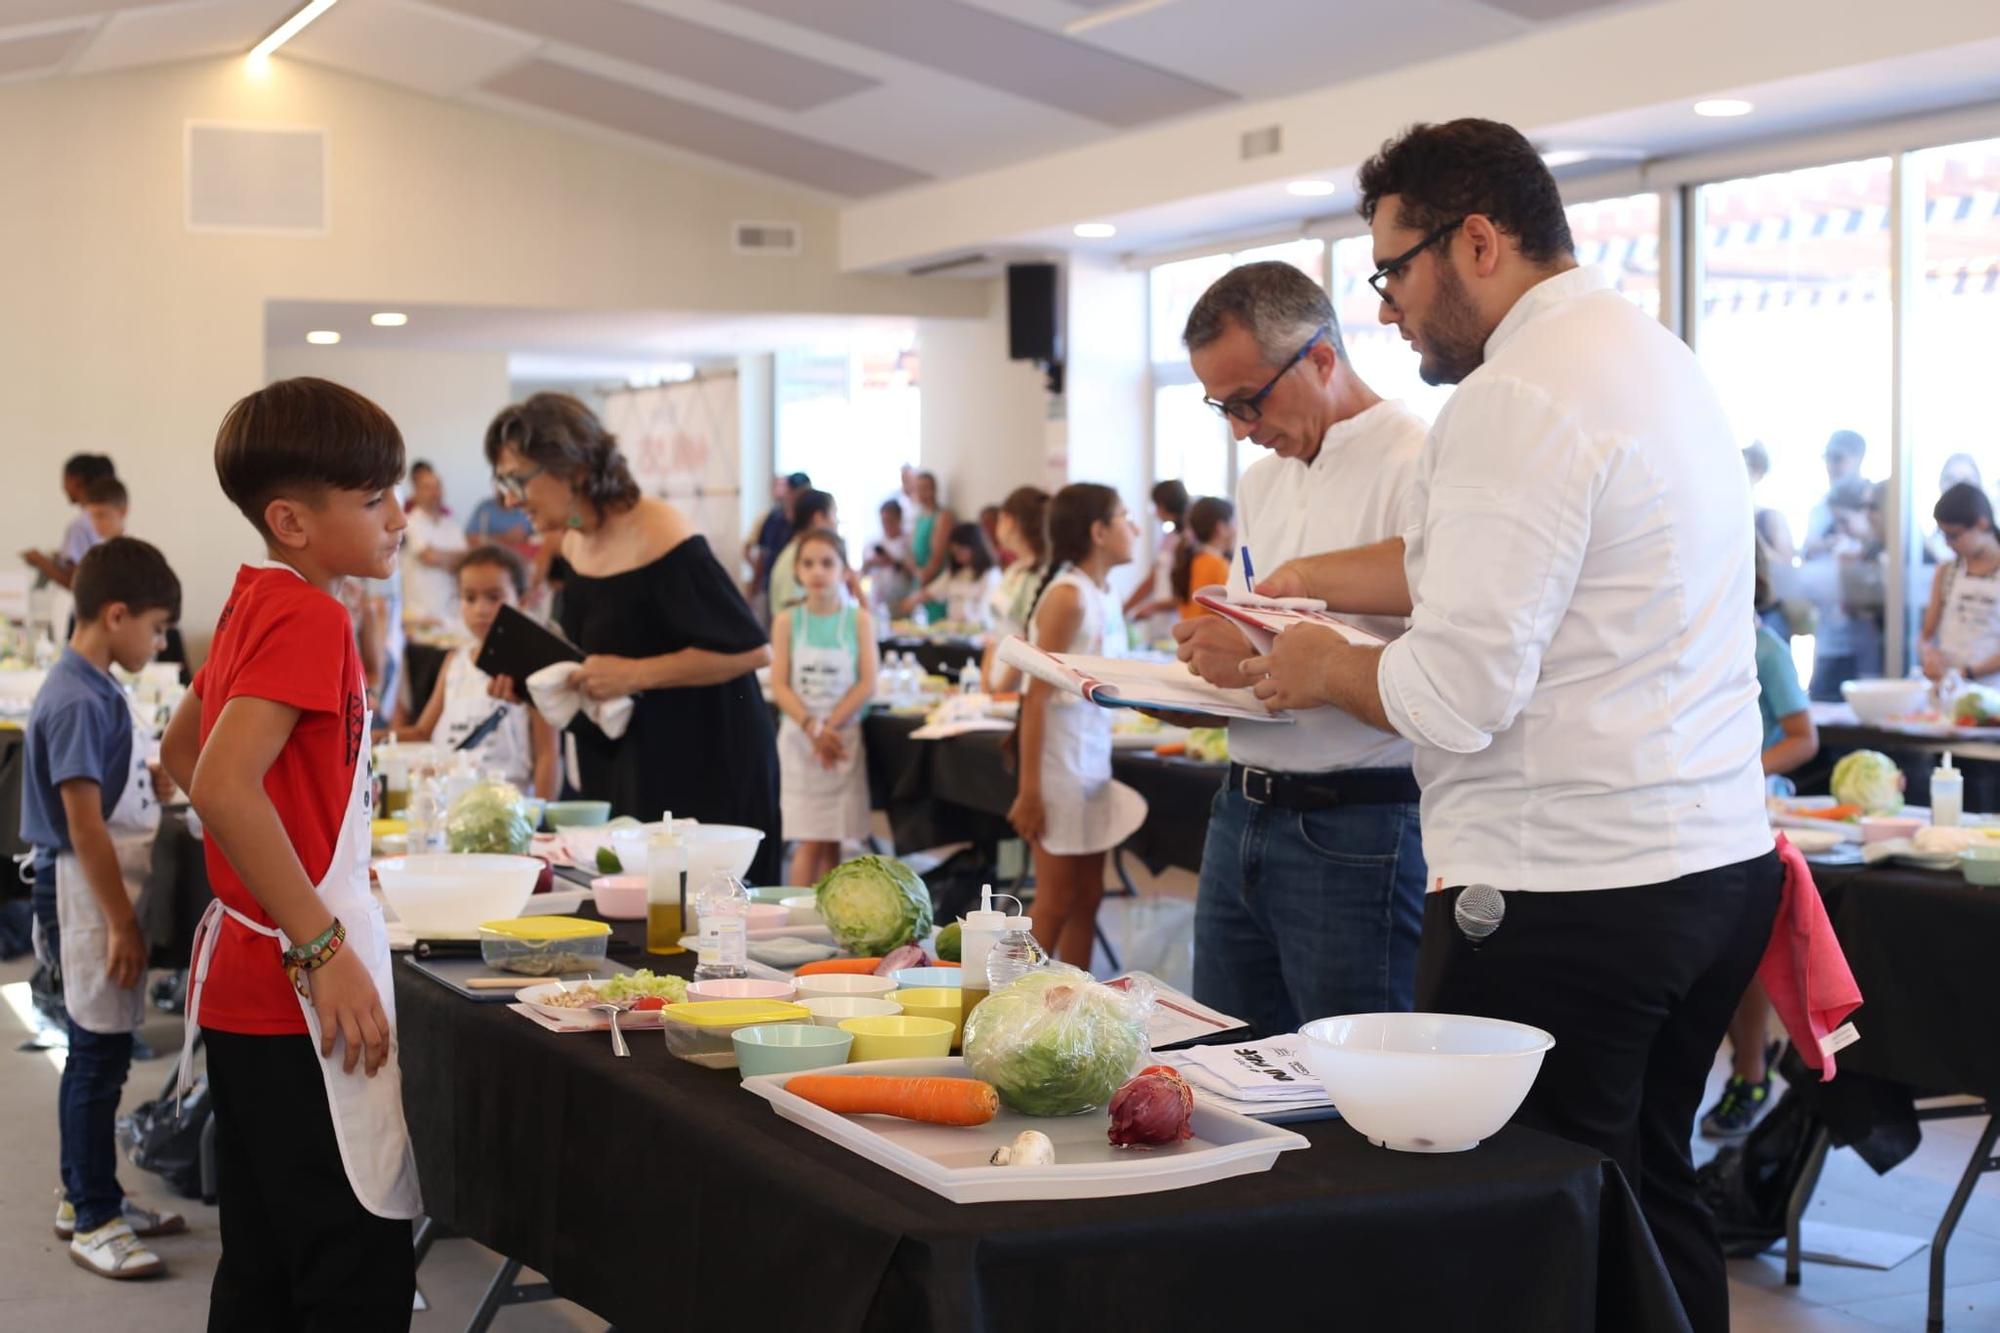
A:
1312	876
432	548
1578	676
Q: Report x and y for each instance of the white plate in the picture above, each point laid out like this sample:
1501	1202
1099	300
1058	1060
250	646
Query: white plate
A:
954	1161
535	997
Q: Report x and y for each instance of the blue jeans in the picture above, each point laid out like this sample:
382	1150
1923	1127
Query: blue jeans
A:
1304	914
87	1100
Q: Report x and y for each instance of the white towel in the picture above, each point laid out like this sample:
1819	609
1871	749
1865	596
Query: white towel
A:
557	698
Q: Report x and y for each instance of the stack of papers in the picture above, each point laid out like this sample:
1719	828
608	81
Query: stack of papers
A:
1253	1078
1263	619
1123	682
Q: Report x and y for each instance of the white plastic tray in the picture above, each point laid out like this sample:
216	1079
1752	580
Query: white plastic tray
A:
955	1162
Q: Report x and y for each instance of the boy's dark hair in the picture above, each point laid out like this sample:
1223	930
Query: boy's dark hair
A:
125	569
808	505
557	432
1444	173
304	436
106	491
500	558
87	468
1964	506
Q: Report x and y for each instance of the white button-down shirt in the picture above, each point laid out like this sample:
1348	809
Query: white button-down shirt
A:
1355	492
1580	672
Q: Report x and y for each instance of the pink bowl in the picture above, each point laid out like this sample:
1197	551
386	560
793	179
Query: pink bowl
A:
745	988
619	897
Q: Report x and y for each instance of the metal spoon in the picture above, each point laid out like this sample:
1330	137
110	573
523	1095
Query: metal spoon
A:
615	1008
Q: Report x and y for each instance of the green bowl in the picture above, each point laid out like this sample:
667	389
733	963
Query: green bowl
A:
789	1048
578	814
1981	865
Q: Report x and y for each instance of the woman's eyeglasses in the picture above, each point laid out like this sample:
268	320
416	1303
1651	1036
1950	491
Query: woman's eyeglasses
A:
513	486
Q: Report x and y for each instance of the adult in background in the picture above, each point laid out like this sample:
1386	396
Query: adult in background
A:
773	534
1578	677
1848	590
1151	605
930	531
1312	875
658	619
1845	450
431	549
59	566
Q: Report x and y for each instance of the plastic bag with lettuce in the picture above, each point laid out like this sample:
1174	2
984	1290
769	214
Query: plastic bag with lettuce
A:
1057	1043
872	904
491	817
1869	780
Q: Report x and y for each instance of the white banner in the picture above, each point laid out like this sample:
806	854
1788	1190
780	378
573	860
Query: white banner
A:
682	444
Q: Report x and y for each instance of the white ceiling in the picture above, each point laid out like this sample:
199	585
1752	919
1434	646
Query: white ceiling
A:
849	97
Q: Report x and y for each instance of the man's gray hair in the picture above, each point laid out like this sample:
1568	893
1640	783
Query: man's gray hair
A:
1279	304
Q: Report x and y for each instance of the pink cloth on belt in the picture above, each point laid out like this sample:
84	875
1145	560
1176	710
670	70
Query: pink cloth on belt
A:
1804	972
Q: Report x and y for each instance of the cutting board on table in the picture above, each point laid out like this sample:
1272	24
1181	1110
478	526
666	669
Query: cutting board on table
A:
453	973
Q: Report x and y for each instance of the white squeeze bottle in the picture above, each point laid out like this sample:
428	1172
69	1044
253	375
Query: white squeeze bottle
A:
666	889
1947	794
980	932
722	946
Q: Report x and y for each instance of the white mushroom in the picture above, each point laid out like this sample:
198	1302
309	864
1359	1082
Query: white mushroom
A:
1030	1148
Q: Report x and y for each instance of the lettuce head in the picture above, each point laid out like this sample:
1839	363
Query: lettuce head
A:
873	904
1055	1042
1869	779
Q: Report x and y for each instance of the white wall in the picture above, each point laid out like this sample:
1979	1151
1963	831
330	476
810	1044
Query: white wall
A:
126	333
984	418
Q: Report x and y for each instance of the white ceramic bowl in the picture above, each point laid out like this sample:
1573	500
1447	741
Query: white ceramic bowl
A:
829	1010
802	909
1877	701
712	848
619	897
740	988
1425	1082
829	984
444	894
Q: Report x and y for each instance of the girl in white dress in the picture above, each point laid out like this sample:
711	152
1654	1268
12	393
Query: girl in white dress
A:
1069	808
1962	623
823	661
1024	533
522	747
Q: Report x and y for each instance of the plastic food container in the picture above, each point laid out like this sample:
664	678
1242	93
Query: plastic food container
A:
702	1031
544	946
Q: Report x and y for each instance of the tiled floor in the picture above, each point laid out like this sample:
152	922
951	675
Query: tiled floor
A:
40	1288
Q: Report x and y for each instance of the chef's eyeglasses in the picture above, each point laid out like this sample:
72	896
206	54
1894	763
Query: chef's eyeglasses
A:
1394	268
513	486
1250	410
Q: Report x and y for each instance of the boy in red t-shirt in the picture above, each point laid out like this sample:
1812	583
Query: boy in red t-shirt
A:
290	983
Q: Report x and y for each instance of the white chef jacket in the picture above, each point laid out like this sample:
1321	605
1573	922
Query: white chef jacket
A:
1353	493
1580	672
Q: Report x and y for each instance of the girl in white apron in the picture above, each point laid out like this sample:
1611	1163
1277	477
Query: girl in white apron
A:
1069	808
1962	623
514	741
823	660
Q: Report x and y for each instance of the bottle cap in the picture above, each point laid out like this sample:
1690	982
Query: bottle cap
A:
987	917
1946	767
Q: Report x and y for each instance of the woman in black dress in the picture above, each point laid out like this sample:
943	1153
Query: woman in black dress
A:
657	618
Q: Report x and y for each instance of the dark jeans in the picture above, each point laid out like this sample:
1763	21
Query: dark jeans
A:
1304	914
299	1252
93	1077
1637	986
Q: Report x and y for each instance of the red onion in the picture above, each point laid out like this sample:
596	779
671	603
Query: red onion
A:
902	956
1152	1109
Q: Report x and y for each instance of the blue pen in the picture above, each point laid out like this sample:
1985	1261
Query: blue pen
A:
1249	574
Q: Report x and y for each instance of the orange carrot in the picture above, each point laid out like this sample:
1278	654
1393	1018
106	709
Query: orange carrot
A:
859	966
1836	812
936	1101
1170	749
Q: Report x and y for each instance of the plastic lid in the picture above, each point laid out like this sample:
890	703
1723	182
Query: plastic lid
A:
1945	767
987	916
541	929
733	1013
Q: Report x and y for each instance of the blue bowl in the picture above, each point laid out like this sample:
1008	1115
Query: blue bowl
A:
789	1048
908	978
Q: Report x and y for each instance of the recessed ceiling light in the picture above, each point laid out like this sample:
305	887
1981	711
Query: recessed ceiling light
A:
1724	106
1557	158
1311	189
1095	231
284	32
389	319
322	337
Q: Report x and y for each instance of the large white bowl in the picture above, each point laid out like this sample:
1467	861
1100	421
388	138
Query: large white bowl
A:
1424	1082
1878	701
712	848
444	894
827	985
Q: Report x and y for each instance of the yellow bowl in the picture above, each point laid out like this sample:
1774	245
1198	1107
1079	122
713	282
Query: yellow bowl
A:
897	1037
933	1002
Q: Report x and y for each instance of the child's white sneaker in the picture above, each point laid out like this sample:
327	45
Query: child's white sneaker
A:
144	1221
113	1251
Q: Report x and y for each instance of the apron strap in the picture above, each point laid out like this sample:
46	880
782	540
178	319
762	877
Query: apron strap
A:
205	934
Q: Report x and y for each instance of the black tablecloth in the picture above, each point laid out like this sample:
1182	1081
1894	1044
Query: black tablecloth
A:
654	1192
938	657
13	758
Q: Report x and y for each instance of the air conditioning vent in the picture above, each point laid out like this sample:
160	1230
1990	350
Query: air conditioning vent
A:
1262	143
767	238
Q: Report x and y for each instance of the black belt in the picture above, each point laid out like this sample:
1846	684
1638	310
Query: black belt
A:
1320	791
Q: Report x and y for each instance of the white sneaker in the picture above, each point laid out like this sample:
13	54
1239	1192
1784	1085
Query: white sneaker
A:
113	1251
144	1221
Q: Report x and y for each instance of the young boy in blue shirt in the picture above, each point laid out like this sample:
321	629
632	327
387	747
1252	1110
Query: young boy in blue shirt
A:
89	810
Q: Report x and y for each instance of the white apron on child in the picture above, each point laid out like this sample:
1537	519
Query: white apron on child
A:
1085	809
94	1003
1969	620
367	1112
506	749
821	804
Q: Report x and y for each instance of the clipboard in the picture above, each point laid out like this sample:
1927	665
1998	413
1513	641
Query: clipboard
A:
518	646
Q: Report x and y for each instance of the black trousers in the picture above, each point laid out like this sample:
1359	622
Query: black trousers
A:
1637	986
299	1252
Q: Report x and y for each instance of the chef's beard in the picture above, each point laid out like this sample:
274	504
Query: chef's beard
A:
1454	344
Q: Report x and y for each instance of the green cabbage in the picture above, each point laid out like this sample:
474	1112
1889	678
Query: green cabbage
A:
1055	1042
489	817
1869	779
873	904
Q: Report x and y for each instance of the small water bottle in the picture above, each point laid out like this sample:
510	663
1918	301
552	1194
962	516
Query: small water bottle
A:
968	678
1014	955
722	948
1947	794
426	813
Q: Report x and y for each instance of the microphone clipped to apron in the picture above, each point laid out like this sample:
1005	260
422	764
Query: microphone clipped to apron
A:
1479	911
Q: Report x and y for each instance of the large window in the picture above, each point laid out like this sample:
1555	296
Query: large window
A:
1622	237
848	418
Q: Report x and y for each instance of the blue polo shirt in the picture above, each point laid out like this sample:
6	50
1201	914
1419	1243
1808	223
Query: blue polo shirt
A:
79	727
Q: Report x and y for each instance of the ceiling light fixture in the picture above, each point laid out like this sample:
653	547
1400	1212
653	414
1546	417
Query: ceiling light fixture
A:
322	337
1131	9
389	319
260	54
1095	231
1314	189
1722	107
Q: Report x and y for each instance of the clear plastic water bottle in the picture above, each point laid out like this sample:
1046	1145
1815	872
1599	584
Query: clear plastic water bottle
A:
968	678
722	947
1014	955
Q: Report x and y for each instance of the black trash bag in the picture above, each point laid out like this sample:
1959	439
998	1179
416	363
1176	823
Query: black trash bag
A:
155	1139
956	881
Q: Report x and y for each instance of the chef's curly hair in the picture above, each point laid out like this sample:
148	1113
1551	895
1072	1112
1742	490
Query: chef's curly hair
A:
1443	173
558	433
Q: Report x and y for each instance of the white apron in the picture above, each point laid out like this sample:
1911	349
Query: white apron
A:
1969	621
507	749
822	804
1085	809
367	1112
94	1004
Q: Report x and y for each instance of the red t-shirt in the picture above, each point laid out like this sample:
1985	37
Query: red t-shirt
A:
284	640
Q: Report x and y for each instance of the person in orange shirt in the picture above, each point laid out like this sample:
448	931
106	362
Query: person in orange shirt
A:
1204	559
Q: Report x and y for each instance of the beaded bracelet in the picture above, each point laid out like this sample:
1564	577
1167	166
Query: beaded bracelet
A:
313	955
